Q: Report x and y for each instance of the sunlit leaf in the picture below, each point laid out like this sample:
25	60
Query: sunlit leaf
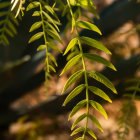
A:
52	58
99	93
74	93
79	119
90	132
35	26
54	47
72	79
94	43
52	68
101	78
80	129
32	5
70	63
36	37
100	59
80	105
72	43
99	108
96	122
41	47
88	25
36	14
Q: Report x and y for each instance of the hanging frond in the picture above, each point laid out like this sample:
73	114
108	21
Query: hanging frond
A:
7	23
77	58
49	24
128	117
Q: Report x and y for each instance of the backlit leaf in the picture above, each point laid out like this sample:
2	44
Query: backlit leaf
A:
72	43
89	26
35	26
74	93
70	63
32	5
41	47
99	93
79	119
52	58
90	132
99	108
99	59
36	14
54	47
36	37
80	105
96	122
94	43
72	79
80	129
101	78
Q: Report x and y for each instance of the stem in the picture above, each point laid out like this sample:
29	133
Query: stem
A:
45	39
84	67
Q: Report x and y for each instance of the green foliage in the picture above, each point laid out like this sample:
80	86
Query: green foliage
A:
49	32
7	23
17	5
128	117
47	28
80	58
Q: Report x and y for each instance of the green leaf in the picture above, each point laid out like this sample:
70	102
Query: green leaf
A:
81	2
53	59
32	5
12	27
4	4
54	47
72	79
51	20
79	119
70	63
50	9
36	14
89	26
54	35
99	108
100	59
80	138
99	93
52	68
9	32
132	88
51	26
74	93
80	105
72	43
36	37
3	13
94	43
90	132
96	122
41	47
35	26
101	78
80	129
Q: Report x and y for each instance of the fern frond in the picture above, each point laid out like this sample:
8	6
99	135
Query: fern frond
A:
76	42
7	24
49	24
128	117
